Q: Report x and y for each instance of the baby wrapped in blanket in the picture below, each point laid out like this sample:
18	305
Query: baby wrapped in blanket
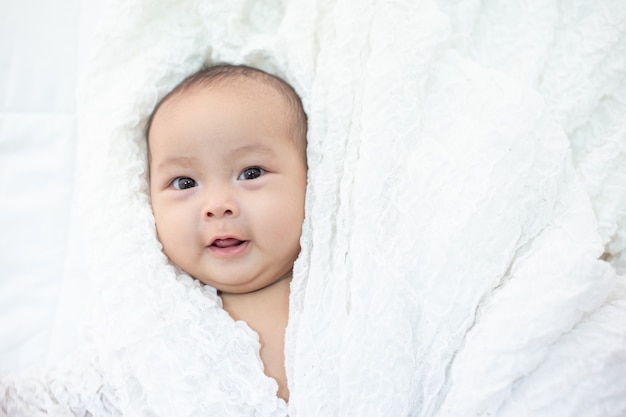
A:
449	253
227	179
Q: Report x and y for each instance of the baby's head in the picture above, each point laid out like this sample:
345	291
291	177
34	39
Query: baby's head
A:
227	154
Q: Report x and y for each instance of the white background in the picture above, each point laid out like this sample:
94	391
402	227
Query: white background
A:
43	46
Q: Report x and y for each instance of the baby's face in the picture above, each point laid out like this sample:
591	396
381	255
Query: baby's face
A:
227	183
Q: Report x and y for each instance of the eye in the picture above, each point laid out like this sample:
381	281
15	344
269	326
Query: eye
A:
251	173
182	183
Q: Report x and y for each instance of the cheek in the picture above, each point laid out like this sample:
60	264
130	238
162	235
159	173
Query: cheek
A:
169	230
282	218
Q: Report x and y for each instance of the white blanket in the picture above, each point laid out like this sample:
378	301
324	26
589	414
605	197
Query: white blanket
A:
467	170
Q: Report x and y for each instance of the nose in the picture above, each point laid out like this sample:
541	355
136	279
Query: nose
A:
219	203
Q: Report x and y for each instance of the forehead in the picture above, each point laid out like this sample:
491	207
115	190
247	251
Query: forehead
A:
233	97
225	111
243	90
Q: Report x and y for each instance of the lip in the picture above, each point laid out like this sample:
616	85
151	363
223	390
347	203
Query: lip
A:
230	250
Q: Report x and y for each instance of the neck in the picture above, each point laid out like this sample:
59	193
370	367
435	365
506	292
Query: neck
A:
266	302
266	311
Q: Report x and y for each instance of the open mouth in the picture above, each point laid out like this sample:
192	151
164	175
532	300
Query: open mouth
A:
228	247
227	243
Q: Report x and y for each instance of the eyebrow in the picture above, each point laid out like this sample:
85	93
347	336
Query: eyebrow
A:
186	161
178	160
252	148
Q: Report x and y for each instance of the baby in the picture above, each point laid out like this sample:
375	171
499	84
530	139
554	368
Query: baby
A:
227	156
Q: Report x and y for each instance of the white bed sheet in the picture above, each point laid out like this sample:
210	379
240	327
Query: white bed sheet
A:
43	46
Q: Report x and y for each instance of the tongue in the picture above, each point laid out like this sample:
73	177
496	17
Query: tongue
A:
225	243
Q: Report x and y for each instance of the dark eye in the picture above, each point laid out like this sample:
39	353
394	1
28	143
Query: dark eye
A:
251	173
182	183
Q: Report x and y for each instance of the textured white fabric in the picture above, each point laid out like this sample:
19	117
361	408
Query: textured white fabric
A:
466	164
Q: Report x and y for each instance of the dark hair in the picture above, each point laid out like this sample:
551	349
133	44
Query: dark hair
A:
222	73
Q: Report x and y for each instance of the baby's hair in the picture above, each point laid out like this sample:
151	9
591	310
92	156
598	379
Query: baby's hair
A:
222	73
